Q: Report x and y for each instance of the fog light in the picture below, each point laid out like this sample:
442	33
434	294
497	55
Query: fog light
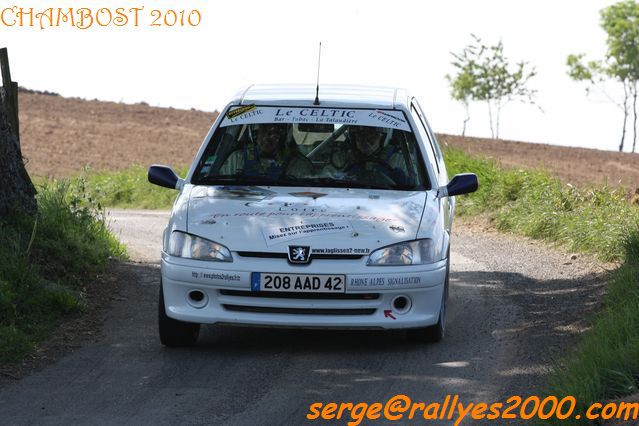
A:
197	298
401	304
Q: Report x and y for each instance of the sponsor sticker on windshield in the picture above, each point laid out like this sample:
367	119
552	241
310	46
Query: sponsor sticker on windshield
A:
239	111
252	114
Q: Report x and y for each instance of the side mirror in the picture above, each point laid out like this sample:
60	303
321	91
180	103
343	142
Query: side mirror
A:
462	183
164	176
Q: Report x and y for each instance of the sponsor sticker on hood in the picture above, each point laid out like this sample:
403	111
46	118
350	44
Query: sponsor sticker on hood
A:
278	234
341	219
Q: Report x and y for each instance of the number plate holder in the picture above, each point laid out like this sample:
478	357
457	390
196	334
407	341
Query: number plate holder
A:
298	283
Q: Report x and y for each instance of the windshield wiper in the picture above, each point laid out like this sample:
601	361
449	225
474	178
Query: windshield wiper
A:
288	181
338	183
238	180
252	180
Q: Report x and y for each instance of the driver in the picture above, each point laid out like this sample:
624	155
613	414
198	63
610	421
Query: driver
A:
269	155
369	156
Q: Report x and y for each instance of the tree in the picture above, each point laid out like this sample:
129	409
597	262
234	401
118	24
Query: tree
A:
16	189
484	74
461	89
621	63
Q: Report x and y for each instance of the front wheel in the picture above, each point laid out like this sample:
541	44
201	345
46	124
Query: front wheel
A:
173	332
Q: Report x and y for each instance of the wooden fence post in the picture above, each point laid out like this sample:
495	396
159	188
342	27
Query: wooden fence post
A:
14	90
16	188
10	94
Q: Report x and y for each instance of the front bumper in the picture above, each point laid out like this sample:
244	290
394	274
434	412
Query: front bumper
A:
366	304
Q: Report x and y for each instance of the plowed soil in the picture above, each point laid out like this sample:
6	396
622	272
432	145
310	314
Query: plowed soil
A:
61	135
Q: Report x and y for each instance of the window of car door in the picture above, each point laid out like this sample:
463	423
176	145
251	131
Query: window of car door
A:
423	133
438	152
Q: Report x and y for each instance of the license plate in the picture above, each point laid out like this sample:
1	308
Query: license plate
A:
297	283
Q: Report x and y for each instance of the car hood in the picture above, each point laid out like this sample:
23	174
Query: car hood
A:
269	219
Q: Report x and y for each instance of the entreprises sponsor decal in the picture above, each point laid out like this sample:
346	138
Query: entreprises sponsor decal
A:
278	234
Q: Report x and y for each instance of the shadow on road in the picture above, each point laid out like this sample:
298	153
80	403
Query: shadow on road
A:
498	325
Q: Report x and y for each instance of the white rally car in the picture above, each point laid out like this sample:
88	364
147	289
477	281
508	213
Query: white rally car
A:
328	211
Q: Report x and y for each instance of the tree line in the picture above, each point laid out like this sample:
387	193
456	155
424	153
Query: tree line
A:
485	74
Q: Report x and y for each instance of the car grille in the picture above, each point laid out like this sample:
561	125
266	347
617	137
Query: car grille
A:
299	303
313	296
299	311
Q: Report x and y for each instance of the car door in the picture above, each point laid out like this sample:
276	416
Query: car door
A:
436	158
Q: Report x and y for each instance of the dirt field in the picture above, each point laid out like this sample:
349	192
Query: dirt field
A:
60	136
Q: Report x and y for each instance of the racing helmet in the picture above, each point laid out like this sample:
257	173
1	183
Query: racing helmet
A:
367	140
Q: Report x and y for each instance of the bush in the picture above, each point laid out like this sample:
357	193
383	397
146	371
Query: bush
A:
46	260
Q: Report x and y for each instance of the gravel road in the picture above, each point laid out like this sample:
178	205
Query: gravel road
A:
515	305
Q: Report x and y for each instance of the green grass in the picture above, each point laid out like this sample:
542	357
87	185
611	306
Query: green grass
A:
128	188
535	204
46	261
605	364
601	221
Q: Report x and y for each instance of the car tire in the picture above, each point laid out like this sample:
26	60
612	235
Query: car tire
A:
434	333
174	333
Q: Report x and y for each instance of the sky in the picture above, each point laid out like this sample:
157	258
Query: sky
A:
401	43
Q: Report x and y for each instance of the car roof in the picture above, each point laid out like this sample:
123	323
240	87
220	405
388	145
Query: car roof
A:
334	95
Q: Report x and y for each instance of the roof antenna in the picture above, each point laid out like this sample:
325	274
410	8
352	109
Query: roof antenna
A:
319	59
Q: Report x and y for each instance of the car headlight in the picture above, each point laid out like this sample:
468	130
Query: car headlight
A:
416	252
186	245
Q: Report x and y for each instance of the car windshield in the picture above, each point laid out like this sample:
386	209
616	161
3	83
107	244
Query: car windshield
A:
313	147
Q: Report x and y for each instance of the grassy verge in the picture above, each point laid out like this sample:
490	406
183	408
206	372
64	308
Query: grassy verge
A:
128	188
605	364
535	204
600	221
45	262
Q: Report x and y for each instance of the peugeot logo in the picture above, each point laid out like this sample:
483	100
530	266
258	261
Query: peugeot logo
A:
299	254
